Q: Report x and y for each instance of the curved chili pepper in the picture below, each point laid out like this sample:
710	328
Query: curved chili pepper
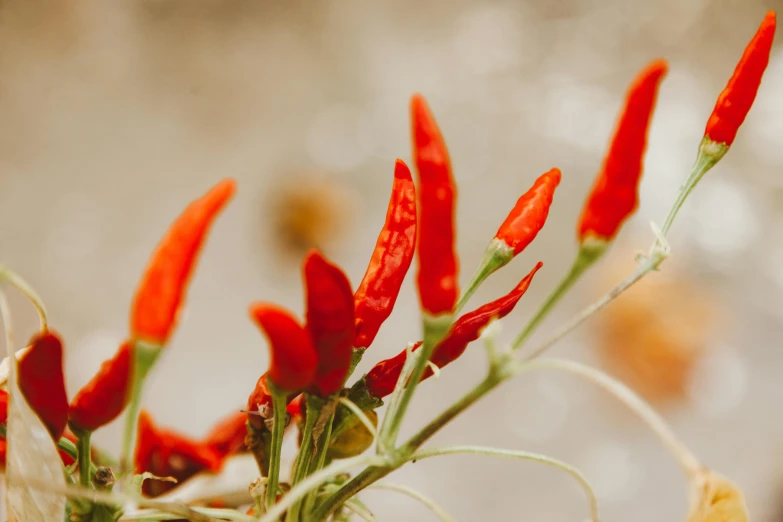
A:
41	381
227	436
293	359
615	192
529	214
296	408
259	404
102	399
159	296
736	99
330	321
166	453
382	378
377	293
438	262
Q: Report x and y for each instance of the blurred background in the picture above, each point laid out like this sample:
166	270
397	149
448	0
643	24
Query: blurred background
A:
114	115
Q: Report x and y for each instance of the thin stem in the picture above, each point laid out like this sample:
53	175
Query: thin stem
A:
643	269
373	474
84	457
434	330
513	454
405	490
584	260
366	477
385	444
361	511
102	497
628	397
144	357
315	480
278	429
323	448
147	515
709	155
20	284
452	411
312	412
496	255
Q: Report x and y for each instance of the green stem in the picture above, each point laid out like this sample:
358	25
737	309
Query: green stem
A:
312	411
323	447
84	457
332	503
521	455
709	154
588	254
144	357
278	429
315	480
434	330
497	255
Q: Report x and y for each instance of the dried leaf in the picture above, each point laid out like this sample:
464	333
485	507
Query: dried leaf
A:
32	455
716	499
5	364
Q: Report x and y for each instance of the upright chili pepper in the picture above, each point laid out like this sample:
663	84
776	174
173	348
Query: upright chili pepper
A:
293	359
330	321
529	214
161	292
375	297
438	263
166	453
41	381
736	99
227	436
382	378
102	399
615	193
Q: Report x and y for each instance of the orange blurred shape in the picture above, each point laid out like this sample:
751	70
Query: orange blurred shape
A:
652	336
308	210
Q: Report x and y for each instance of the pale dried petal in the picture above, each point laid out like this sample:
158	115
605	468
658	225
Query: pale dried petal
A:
716	499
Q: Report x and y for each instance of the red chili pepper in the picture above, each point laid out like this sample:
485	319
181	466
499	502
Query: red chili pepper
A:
736	99
380	381
164	284
528	216
296	408
3	407
227	437
41	381
438	263
165	453
375	297
259	403
615	192
293	357
106	395
330	322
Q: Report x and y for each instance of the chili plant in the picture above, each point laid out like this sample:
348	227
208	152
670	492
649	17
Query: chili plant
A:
53	471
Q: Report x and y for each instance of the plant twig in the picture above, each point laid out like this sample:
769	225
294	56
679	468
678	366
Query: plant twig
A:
405	490
513	454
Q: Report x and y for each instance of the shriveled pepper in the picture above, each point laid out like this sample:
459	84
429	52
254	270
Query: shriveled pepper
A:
528	216
166	453
382	378
615	192
736	99
41	381
102	399
259	404
330	321
293	359
377	293
437	278
159	297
